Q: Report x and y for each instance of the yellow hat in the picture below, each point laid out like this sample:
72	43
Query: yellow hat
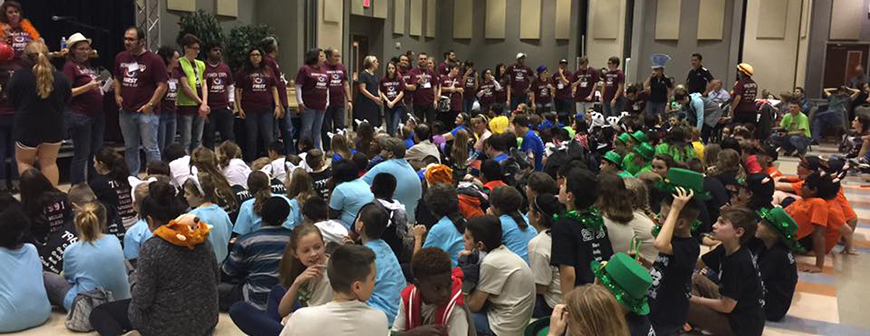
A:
499	124
745	68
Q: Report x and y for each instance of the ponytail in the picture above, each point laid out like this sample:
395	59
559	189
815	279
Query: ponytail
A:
206	163
259	186
89	222
42	68
508	201
117	165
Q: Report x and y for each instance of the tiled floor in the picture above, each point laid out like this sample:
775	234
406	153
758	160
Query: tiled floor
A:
830	303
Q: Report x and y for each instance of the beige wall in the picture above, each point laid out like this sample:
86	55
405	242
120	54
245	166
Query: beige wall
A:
599	50
330	33
774	59
803	44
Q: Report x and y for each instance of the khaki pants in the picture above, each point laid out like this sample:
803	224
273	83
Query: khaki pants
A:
703	317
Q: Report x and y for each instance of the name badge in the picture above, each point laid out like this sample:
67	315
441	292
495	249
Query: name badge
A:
560	86
584	84
427	85
133	67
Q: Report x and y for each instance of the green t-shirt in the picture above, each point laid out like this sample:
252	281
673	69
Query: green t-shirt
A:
629	165
643	170
686	153
793	123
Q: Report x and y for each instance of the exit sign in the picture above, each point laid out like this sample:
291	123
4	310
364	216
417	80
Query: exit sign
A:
367	3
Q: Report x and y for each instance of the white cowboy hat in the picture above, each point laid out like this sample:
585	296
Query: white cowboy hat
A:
76	38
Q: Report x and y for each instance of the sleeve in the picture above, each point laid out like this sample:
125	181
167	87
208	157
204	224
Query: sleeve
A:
620	79
301	77
685	253
118	73
69	70
230	79
492	281
786	120
738	89
399	322
69	265
401	86
131	246
540	264
713	258
564	246
596	75
147	268
698	103
819	213
233	267
336	201
243	221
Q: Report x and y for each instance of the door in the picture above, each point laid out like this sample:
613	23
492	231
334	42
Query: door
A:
359	50
841	60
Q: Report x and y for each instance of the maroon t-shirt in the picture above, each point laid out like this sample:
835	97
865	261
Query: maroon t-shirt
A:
563	91
612	79
747	89
167	104
443	69
587	77
218	79
337	78
392	87
409	95
314	83
256	91
455	97
280	81
139	76
90	102
519	76
425	93
470	81
486	92
541	90
501	91
20	39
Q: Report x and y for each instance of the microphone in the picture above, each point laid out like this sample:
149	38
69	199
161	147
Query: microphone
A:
61	18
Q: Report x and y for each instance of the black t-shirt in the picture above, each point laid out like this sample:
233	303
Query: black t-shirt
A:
117	193
278	187
114	224
698	79
739	280
638	325
659	89
241	195
778	276
719	197
321	182
52	230
575	245
672	286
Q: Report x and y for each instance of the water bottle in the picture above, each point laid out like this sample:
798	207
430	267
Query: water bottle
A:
63	43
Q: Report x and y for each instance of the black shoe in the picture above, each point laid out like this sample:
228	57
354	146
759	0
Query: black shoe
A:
814	142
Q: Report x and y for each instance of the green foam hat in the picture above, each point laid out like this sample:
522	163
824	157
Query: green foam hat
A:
541	327
640	136
645	150
784	226
614	158
624	138
687	179
627	280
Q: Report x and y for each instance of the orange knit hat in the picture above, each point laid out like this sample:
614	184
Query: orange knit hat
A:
439	174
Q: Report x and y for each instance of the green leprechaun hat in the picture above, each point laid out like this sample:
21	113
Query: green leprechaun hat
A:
626	279
541	327
624	138
614	158
687	179
784	225
640	136
645	151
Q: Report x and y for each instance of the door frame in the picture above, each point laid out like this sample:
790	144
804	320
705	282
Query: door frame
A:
825	58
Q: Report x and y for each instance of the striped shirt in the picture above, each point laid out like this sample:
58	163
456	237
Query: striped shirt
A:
255	259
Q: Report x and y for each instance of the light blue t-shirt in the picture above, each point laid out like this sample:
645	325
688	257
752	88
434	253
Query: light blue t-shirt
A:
95	264
409	190
248	221
23	301
134	238
295	217
221	229
515	238
389	280
348	198
445	236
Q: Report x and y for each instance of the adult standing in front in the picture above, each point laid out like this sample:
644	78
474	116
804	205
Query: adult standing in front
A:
219	80
486	94
368	100
699	78
39	94
658	86
405	71
542	91
22	32
192	94
256	100
426	87
585	83
451	86
84	117
501	103
519	79
339	93
613	98
743	102
140	82
470	78
285	123
562	80
312	94
444	67
392	90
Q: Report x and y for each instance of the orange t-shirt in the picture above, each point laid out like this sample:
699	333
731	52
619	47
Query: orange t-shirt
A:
845	207
808	213
835	221
773	172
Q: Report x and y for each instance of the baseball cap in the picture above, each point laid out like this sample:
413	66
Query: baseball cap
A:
520	55
563	61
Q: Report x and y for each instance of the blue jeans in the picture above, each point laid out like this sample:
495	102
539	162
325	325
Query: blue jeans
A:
608	111
394	116
824	119
481	323
517	99
190	126
288	133
258	125
468	104
139	129
312	120
166	130
86	133
791	142
255	322
7	148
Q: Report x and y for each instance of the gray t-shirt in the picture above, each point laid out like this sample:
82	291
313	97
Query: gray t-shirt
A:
349	318
511	288
540	248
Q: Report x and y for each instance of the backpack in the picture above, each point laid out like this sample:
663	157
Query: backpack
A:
78	318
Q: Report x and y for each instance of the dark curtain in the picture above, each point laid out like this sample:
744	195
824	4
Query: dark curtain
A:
109	19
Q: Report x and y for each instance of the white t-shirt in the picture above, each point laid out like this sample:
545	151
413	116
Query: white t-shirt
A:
620	235
332	231
643	226
180	170
544	273
511	288
457	324
351	318
237	173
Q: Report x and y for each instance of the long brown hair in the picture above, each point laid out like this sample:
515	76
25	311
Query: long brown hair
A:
291	267
459	152
37	53
593	310
299	185
205	161
614	199
227	151
340	145
259	186
89	222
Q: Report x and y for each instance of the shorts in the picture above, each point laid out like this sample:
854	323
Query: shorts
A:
32	145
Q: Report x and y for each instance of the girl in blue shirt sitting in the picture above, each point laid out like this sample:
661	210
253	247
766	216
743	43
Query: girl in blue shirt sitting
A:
341	148
249	213
505	202
199	191
446	234
95	260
